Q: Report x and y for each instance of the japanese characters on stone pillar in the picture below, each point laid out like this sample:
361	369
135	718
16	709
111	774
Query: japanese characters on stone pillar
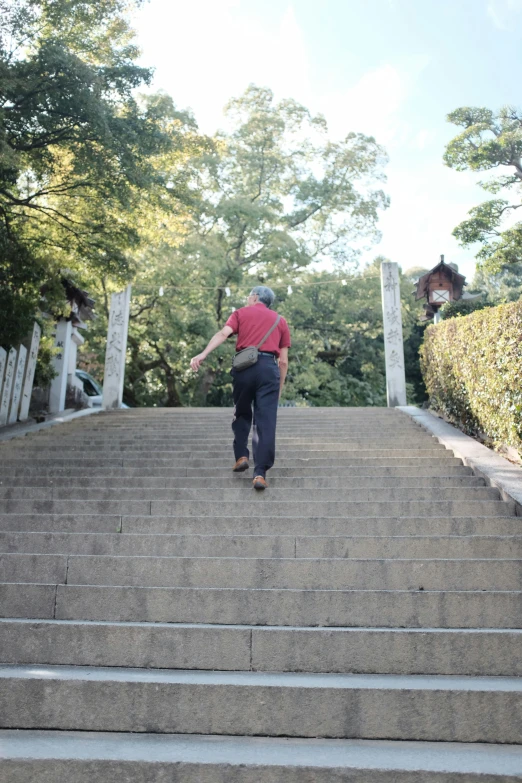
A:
18	381
114	374
62	341
29	373
8	385
393	343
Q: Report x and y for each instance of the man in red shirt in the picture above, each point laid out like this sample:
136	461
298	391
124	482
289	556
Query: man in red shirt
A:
260	385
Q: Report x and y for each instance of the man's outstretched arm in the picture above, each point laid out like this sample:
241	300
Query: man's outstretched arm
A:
214	342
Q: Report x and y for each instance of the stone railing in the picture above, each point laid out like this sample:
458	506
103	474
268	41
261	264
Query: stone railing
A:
17	368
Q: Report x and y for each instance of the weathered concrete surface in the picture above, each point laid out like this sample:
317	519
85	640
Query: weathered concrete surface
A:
496	471
374	591
160	758
271	648
304	574
71	757
418	707
265	546
365	608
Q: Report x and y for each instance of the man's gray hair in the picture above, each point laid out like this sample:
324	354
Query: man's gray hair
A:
265	294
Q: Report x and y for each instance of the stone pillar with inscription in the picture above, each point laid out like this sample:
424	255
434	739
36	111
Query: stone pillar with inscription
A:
115	353
8	386
18	381
393	342
30	368
62	341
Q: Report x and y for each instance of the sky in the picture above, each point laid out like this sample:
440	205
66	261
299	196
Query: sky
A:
389	68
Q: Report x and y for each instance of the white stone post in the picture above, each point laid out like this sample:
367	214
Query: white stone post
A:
29	373
62	341
3	360
18	381
8	385
393	342
115	353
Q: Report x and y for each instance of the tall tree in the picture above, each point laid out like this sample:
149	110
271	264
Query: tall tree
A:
500	287
487	142
276	196
78	151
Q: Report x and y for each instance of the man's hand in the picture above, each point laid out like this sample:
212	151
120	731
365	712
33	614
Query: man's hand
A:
218	338
195	363
283	368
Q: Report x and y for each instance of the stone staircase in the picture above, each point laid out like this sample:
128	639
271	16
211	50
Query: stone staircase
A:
359	621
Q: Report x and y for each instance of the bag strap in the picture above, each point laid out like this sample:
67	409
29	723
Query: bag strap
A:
267	335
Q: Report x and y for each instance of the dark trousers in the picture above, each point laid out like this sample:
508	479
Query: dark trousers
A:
257	386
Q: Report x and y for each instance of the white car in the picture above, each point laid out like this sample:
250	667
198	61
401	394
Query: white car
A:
92	389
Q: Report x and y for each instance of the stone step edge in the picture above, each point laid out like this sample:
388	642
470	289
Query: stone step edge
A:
287	757
485	463
279	560
312	629
270	536
255	590
327	680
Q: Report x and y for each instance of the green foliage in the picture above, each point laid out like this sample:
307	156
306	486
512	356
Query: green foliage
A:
502	286
337	355
463	307
472	367
489	141
44	371
81	159
272	195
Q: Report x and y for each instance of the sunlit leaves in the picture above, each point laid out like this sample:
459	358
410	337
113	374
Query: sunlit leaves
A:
490	141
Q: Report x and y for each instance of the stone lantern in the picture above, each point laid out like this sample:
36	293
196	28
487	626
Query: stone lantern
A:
440	285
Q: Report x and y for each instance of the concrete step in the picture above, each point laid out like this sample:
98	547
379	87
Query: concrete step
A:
263	506
451	467
365	546
264	525
224	451
346	509
84	757
224	432
225	464
244	648
237	493
49	569
219	435
232	482
175	446
322	441
305	608
102	523
269	573
250	573
399	707
375	591
218	457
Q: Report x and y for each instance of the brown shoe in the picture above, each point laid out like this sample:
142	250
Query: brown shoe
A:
241	465
259	482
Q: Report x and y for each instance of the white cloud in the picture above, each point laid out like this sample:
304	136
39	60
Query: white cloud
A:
207	51
424	138
426	204
501	11
374	104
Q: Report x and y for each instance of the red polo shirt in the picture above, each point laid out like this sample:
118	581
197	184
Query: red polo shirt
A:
252	323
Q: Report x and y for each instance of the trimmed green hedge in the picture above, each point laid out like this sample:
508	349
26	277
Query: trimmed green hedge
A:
472	368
